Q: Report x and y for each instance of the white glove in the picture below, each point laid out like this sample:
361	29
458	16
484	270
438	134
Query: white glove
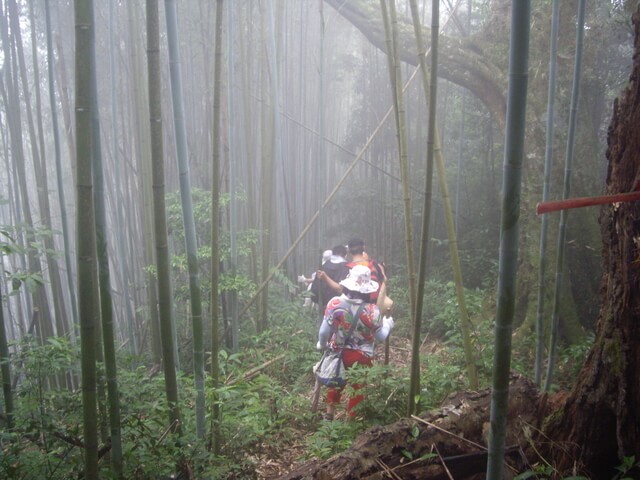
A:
302	278
388	322
319	346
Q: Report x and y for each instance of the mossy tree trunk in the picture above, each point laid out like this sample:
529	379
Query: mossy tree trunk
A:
601	417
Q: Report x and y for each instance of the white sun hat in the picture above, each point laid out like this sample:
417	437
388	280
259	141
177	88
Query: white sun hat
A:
359	280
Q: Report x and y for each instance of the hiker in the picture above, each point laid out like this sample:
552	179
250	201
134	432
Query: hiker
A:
308	281
360	257
336	269
358	343
378	275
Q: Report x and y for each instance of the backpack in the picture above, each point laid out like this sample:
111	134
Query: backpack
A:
320	290
330	370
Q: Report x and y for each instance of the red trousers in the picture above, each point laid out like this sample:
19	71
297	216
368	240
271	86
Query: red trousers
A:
349	358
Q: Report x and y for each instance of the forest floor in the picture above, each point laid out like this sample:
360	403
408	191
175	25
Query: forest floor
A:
447	442
282	458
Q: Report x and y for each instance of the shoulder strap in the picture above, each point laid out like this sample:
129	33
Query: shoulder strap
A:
353	326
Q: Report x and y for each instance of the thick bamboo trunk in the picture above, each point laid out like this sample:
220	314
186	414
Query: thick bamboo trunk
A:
159	213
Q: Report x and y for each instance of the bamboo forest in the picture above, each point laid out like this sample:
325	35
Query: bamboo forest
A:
320	239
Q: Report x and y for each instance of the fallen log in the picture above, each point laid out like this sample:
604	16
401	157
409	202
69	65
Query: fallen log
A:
457	430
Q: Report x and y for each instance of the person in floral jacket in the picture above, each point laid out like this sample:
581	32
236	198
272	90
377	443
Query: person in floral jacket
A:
354	304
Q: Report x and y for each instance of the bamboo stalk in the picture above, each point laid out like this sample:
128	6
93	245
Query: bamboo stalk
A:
444	465
422	420
249	374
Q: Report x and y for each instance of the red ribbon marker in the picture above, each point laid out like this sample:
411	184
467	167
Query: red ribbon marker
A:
548	207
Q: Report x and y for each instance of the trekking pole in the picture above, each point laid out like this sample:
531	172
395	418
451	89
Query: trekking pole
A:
386	351
315	396
321	300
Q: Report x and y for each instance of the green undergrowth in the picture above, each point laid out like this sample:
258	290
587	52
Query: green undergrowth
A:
265	401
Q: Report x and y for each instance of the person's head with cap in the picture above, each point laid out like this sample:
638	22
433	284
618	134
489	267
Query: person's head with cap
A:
339	251
359	282
326	256
356	246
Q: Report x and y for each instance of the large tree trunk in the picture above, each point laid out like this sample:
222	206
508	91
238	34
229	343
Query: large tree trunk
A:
601	422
